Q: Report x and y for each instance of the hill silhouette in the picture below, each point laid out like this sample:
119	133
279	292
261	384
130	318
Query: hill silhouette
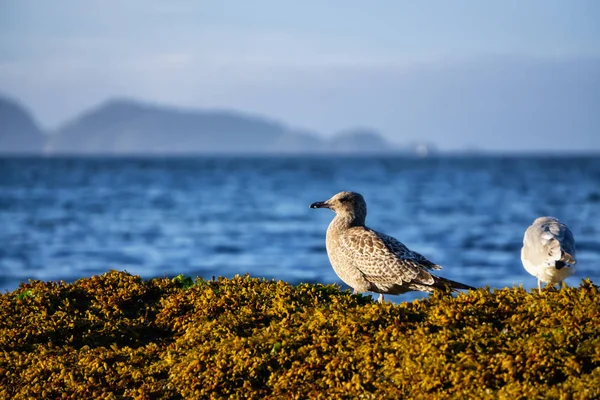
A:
19	133
131	127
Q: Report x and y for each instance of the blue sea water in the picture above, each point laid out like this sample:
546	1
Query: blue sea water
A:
67	218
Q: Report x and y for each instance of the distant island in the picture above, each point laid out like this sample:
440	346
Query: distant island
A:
18	131
129	127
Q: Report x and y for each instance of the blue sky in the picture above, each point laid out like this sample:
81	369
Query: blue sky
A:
317	65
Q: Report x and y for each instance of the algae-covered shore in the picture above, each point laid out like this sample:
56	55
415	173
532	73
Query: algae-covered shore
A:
118	336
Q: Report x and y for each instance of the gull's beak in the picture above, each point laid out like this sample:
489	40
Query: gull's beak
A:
320	204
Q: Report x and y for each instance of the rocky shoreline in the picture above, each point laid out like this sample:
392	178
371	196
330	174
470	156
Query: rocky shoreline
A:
118	336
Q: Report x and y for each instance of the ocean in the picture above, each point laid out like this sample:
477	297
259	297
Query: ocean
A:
69	218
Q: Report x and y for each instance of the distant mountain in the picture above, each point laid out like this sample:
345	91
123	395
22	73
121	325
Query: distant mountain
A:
129	127
120	127
19	134
359	140
299	142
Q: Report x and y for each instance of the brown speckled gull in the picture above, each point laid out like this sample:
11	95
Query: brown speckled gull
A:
369	261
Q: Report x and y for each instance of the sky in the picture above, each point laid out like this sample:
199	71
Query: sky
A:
453	73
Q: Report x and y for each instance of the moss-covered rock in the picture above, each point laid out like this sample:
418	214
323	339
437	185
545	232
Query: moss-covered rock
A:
117	336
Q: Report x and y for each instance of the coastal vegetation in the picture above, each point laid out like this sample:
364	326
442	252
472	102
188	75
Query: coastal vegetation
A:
119	336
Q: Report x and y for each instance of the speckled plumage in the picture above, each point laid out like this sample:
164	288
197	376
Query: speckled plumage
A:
369	261
548	251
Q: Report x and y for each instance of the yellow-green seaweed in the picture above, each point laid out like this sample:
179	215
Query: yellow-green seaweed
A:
117	336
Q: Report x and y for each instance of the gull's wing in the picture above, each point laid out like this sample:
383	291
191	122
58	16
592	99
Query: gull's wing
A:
383	260
547	241
405	253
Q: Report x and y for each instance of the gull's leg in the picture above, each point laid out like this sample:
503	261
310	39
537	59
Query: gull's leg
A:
354	291
380	299
540	286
